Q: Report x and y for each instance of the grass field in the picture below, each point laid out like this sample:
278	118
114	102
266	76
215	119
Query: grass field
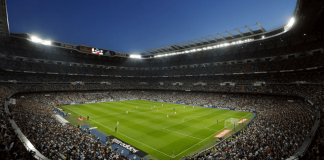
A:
189	131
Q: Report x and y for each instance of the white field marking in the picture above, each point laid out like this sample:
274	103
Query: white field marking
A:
164	128
200	142
186	121
211	129
139	108
213	124
184	134
94	116
126	136
203	140
248	114
186	118
190	119
105	114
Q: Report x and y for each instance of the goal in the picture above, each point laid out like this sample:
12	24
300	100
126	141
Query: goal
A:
229	123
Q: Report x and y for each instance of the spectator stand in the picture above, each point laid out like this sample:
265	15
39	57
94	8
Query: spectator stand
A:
307	142
24	140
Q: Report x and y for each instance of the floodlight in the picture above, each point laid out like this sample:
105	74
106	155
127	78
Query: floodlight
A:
35	39
46	42
135	56
289	24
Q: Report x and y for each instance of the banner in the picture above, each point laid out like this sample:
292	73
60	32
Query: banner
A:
120	55
86	49
69	46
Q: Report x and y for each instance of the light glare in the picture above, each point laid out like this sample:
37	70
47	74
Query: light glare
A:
135	56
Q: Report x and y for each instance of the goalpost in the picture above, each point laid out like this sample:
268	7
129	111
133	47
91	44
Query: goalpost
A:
229	123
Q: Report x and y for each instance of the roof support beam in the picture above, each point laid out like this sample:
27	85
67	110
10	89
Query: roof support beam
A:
205	39
199	41
154	50
249	29
180	45
186	44
168	47
238	31
262	29
164	48
147	51
158	49
212	37
177	47
193	43
229	34
221	36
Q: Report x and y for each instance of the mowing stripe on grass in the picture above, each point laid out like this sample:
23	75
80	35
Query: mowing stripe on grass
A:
125	135
165	135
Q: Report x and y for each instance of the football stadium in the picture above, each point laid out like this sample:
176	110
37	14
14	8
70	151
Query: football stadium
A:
246	93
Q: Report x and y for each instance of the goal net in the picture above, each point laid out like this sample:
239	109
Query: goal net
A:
229	123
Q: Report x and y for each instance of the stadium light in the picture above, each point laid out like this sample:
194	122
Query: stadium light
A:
35	39
289	24
46	42
206	48
135	56
38	40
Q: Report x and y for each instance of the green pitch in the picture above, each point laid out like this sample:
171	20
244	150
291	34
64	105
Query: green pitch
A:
190	131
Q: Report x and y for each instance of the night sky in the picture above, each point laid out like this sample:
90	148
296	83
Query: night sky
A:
131	26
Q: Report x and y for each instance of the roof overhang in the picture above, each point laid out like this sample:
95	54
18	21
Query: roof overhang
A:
239	36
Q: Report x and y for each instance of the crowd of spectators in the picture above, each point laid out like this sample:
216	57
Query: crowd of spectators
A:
49	66
291	112
10	145
227	63
277	132
55	140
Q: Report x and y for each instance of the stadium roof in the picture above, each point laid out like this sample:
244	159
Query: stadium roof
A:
238	34
235	34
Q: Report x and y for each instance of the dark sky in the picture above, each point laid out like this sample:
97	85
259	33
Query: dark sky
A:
131	26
